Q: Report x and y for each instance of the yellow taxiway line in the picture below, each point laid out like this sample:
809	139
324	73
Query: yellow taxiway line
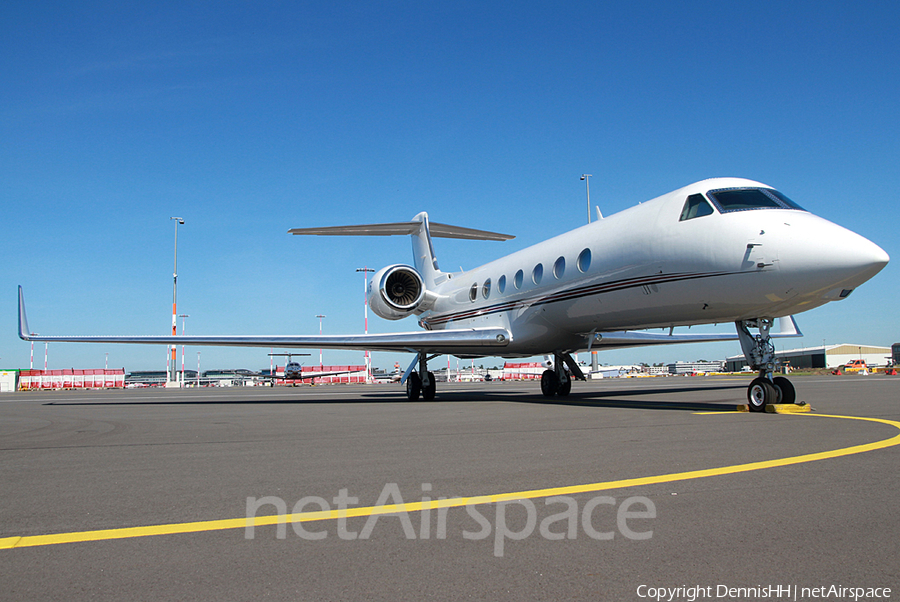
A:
241	523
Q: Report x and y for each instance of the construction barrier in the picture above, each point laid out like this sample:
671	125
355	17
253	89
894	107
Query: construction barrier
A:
355	374
32	380
523	370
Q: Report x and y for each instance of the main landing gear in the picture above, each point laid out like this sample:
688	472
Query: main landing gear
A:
760	354
558	380
424	384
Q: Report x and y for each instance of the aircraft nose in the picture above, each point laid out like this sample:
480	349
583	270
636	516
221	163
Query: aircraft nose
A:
874	257
822	261
841	259
862	255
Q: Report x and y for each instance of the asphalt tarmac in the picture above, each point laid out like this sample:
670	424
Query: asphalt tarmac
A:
623	488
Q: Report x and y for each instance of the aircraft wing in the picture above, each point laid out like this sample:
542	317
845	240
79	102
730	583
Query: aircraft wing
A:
428	341
786	328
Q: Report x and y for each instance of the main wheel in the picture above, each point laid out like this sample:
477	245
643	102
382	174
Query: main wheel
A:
760	393
429	391
785	388
565	388
413	386
549	383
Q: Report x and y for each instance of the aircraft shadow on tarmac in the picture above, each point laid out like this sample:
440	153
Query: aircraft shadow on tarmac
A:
597	399
613	399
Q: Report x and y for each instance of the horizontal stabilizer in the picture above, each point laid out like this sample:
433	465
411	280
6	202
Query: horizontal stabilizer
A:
402	228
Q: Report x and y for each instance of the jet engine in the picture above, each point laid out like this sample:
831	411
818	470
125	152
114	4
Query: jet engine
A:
396	291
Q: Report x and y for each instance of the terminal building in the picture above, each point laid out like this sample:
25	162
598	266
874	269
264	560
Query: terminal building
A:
680	368
823	356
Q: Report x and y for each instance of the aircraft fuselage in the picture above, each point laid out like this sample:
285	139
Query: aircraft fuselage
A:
646	267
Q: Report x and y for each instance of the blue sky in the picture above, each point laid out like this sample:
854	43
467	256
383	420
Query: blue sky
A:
247	119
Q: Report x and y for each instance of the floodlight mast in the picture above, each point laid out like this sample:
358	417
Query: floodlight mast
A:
587	182
173	368
320	316
182	316
365	270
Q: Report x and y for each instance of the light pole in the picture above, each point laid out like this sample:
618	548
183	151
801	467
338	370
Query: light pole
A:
172	367
182	316
320	316
365	271
198	369
587	182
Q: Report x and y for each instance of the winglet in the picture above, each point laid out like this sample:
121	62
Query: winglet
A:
23	319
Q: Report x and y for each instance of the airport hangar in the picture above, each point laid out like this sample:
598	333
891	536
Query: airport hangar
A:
823	356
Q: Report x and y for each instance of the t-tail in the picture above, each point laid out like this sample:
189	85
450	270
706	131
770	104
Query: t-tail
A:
399	290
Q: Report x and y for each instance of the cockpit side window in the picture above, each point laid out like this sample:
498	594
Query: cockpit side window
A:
695	206
744	199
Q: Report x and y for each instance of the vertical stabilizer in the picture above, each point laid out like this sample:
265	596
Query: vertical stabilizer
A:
423	251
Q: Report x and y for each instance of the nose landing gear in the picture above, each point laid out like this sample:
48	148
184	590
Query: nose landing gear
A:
760	354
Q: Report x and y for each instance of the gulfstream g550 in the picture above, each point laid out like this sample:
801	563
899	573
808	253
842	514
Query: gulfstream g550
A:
720	250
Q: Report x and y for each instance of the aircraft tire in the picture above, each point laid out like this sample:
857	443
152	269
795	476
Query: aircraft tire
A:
429	391
760	393
785	388
565	388
549	383
413	387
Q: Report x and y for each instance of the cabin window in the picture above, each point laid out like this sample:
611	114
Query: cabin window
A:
559	268
473	292
695	206
486	289
584	261
520	277
501	284
747	199
537	273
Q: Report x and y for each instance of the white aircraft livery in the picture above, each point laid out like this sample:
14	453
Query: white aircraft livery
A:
721	250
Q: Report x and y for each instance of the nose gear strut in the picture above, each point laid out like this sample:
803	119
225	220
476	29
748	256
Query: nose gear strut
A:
760	355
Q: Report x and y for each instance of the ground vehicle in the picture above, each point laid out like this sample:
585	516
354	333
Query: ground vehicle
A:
855	366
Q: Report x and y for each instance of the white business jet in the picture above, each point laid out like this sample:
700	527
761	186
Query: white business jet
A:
721	250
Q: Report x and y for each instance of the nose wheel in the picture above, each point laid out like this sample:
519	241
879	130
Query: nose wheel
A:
761	393
785	390
760	354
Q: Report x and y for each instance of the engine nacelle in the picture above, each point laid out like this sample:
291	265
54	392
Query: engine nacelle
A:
396	291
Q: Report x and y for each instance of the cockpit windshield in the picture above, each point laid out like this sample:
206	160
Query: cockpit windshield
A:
746	199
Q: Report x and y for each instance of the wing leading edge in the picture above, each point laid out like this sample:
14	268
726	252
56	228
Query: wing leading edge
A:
428	341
